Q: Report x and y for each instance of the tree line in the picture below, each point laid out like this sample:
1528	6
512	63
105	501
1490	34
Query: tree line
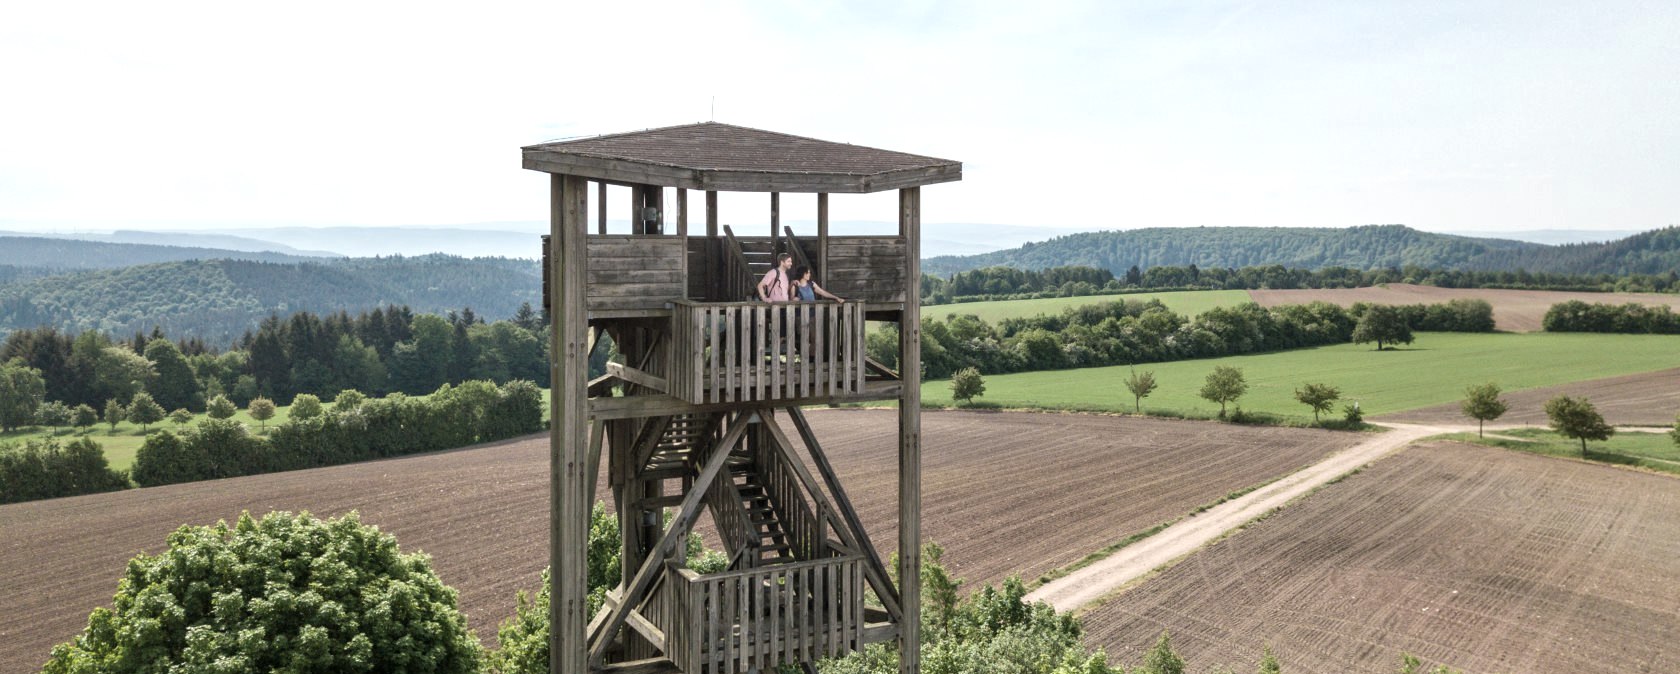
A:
1009	283
1131	331
1578	316
386	350
355	428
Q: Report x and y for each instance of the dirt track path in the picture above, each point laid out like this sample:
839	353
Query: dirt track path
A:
1086	585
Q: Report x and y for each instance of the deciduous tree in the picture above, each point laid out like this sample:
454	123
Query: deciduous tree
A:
181	417
1225	384
261	409
22	390
1482	403
1320	397
286	593
1141	385
220	407
175	385
115	413
967	384
1577	418
53	414
144	410
83	417
305	407
1382	324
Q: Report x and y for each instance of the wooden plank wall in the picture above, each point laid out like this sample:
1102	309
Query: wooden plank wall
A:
635	272
868	268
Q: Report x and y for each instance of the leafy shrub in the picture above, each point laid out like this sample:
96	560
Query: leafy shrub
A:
284	594
1578	316
44	468
220	407
305	406
967	384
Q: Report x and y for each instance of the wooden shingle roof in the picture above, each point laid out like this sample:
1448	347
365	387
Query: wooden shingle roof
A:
724	157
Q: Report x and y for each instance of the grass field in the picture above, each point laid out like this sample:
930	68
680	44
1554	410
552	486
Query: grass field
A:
1189	303
1433	370
1656	451
121	444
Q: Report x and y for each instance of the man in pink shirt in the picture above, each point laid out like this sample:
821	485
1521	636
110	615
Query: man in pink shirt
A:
774	286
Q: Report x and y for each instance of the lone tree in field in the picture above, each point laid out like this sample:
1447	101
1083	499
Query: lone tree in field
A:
1577	418
220	407
285	594
966	385
1382	324
145	411
1224	384
114	413
83	417
1482	403
261	409
1141	385
1320	397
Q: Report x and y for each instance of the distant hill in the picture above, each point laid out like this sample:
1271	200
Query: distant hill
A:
53	253
219	300
1653	252
1555	236
1367	247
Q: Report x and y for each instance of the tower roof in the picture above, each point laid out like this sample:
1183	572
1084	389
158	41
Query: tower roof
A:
724	157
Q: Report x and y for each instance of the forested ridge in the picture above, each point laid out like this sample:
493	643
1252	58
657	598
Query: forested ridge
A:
1363	248
219	300
41	251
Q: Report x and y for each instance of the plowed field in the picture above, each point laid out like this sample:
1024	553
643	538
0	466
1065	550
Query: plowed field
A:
1484	559
1647	399
1513	310
1003	492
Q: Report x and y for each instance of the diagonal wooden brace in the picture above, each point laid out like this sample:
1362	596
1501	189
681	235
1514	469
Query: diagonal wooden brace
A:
874	569
601	636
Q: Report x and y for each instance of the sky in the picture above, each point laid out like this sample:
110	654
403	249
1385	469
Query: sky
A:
1462	115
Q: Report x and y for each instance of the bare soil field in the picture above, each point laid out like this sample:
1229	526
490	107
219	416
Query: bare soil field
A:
1513	310
1480	558
1004	492
1646	399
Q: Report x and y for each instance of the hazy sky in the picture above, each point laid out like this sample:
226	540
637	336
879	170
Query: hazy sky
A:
1442	115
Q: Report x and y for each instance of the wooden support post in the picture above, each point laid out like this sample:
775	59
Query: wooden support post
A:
822	238
682	234
568	373
910	437
775	221
711	214
601	207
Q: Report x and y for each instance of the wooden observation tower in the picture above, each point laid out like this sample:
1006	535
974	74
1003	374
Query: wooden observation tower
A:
697	417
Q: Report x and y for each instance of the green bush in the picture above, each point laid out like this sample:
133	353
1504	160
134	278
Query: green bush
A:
44	468
284	594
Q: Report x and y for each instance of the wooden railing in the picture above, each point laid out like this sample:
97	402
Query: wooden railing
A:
759	618
803	529
753	351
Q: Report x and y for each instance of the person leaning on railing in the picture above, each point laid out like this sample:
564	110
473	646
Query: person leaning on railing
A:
807	290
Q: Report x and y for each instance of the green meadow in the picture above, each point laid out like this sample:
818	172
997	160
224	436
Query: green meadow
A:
1656	451
1188	303
1433	370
